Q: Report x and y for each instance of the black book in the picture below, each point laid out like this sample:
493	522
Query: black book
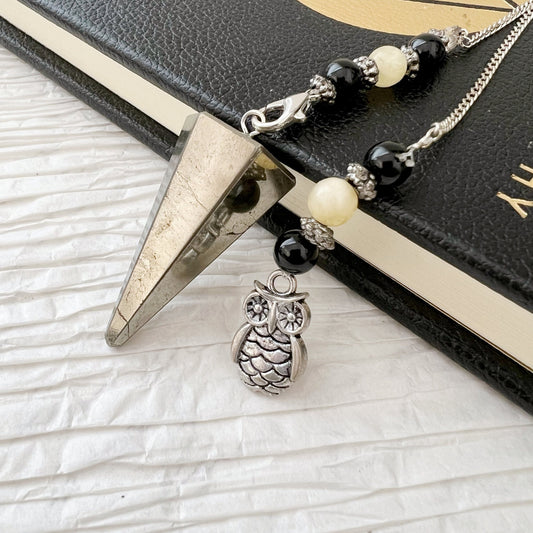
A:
450	253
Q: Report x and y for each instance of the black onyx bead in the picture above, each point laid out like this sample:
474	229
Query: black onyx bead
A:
344	74
294	253
243	197
430	49
382	161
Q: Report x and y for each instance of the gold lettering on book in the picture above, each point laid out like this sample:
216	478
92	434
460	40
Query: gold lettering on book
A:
527	183
518	203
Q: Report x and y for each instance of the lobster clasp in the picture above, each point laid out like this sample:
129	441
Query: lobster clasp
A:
280	114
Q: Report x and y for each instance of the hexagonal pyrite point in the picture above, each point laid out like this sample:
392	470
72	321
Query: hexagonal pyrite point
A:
218	183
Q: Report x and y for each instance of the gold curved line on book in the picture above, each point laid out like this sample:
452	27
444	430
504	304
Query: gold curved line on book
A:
409	17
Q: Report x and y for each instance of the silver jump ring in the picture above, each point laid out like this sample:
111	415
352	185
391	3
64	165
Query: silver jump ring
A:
271	283
249	115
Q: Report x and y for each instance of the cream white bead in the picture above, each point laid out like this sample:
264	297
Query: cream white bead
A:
391	63
332	201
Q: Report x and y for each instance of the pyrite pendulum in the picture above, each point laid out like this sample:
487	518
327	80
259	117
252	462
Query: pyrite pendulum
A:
218	183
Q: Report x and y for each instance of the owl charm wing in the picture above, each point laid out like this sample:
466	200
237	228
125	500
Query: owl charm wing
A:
299	357
238	340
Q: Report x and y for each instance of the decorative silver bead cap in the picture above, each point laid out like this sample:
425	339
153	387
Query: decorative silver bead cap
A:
413	63
362	180
322	90
370	70
317	233
452	37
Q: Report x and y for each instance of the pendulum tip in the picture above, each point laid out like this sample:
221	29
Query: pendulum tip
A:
117	331
111	339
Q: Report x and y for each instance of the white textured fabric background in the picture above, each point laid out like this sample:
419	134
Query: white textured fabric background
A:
383	433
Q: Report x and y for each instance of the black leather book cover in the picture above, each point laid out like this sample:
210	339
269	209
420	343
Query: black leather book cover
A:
229	56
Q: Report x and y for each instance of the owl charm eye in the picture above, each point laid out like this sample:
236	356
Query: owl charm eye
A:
256	309
293	317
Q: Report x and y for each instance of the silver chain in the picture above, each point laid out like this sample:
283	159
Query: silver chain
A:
439	129
474	38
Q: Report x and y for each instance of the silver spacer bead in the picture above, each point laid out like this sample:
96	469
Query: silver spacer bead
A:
363	181
321	90
317	233
370	70
452	37
413	63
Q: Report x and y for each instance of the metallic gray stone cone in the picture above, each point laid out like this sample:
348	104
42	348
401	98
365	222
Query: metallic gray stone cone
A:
218	183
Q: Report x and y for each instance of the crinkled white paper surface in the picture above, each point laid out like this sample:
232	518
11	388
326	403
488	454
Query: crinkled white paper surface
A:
383	433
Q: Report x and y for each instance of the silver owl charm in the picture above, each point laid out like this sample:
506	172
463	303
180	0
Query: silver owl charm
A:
268	348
